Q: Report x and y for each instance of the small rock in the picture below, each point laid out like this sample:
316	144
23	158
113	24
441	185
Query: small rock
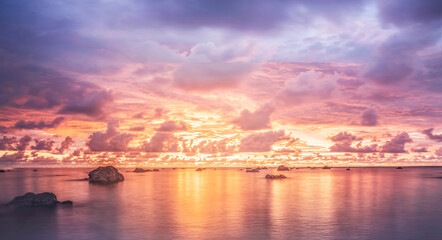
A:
68	202
275	176
140	170
35	170
199	169
105	175
1	170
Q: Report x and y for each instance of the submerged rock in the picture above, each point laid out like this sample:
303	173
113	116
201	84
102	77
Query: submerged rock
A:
275	176
105	175
45	199
283	168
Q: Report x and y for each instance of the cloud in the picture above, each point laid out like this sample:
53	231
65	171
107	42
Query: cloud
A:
369	117
162	142
91	104
344	141
8	143
343	136
260	119
429	133
261	142
211	76
137	128
67	142
419	149
419	28
438	152
397	144
307	87
38	125
13	158
23	143
172	126
111	140
43	145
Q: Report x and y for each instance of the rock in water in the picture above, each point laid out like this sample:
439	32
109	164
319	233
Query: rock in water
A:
140	170
105	175
283	168
275	176
45	199
68	202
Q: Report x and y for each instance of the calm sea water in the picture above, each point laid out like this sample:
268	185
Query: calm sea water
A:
364	203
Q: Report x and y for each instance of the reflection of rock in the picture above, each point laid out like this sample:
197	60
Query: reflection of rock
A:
105	175
275	176
45	199
283	168
139	170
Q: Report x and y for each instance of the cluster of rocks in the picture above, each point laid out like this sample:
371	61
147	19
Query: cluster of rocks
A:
30	199
275	176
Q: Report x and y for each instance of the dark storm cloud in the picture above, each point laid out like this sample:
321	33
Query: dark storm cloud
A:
111	140
429	133
38	125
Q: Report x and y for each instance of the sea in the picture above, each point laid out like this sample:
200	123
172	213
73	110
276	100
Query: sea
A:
361	203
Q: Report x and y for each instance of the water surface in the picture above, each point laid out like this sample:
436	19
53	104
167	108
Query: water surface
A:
364	203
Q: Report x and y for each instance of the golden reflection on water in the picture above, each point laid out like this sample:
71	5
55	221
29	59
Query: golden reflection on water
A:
220	204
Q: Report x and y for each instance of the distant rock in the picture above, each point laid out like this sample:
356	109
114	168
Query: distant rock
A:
283	168
275	176
45	199
140	170
199	169
105	175
252	170
399	168
68	202
35	170
156	170
348	169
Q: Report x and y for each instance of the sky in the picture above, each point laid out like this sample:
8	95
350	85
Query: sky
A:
220	83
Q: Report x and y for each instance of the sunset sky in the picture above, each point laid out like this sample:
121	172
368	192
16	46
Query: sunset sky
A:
220	83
